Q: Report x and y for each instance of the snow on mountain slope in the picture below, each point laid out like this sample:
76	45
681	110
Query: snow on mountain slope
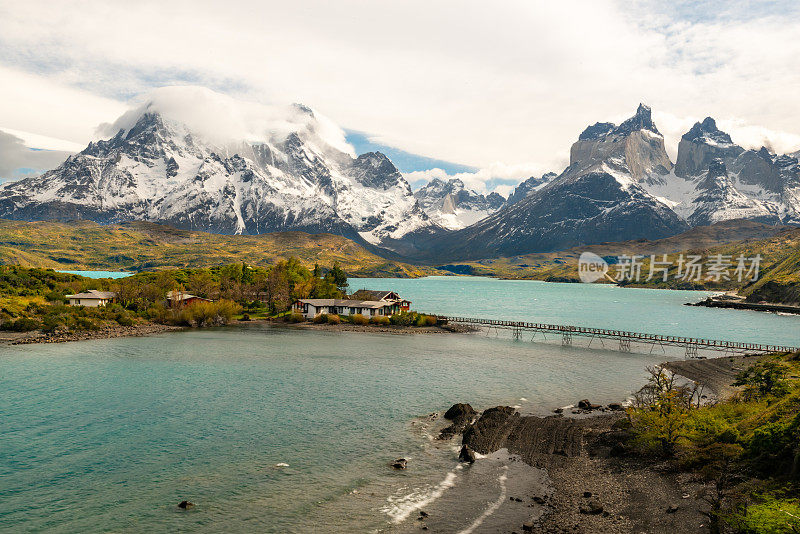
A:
599	197
196	159
451	205
528	186
715	179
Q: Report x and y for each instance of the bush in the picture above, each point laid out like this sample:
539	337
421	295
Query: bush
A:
334	319
23	324
359	319
322	318
294	317
380	320
426	320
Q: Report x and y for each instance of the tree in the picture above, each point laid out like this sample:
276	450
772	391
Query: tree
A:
337	277
763	378
660	409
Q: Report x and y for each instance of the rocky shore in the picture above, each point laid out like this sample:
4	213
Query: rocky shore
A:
370	328
27	338
594	483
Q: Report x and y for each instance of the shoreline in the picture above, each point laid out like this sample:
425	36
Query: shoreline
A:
33	338
593	484
152	329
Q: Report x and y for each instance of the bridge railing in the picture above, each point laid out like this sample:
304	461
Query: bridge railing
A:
620	334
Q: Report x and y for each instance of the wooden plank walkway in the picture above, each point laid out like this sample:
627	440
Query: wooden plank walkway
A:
690	344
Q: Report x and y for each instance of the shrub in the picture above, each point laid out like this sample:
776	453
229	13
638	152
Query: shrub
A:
294	317
426	320
380	320
23	324
321	318
404	318
334	319
359	319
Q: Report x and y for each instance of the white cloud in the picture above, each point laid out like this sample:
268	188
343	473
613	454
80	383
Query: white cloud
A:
470	82
484	180
220	118
17	159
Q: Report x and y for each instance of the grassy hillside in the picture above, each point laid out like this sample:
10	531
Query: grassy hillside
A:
145	246
779	248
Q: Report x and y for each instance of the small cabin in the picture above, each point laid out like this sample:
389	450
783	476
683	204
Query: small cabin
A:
92	298
177	299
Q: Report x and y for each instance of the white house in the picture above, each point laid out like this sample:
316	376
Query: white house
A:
92	298
310	308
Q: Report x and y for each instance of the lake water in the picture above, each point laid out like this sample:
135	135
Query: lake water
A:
99	274
272	429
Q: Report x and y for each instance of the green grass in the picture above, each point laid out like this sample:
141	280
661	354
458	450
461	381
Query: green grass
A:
140	246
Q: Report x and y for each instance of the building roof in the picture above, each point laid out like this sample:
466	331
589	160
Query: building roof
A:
94	294
370	294
347	303
182	296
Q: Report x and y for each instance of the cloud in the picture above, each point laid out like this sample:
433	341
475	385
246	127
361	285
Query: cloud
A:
462	81
222	119
496	177
17	160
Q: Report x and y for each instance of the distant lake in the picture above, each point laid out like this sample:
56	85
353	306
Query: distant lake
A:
99	274
275	429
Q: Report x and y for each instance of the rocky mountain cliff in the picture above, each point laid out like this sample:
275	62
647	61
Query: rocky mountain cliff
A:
296	174
599	197
453	206
715	180
528	186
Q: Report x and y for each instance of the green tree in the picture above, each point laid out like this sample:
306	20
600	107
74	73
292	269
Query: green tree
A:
337	277
763	378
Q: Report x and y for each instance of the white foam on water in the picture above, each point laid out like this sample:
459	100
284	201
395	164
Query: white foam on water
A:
523	399
495	505
399	508
517	406
282	464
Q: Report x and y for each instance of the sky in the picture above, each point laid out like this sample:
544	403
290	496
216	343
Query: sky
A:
491	92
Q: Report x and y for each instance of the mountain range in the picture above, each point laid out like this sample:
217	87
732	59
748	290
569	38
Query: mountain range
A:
292	170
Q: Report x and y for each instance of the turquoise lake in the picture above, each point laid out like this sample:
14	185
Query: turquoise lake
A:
99	274
276	429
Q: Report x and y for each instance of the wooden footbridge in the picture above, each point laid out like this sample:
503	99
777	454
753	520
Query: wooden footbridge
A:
689	344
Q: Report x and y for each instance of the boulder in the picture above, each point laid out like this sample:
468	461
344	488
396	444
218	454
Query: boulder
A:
672	509
185	505
584	404
595	406
400	463
458	411
615	406
527	527
461	415
466	455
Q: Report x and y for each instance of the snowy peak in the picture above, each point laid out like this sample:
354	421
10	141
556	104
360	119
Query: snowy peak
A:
701	145
453	206
635	147
195	159
641	120
529	186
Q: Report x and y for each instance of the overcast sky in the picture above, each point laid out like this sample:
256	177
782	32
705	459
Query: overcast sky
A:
504	87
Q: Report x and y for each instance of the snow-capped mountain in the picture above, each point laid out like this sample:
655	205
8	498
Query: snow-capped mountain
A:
528	186
195	159
715	179
453	206
599	197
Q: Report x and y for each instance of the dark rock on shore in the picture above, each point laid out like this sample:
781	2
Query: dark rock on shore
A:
537	440
466	455
584	404
185	505
462	416
400	463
